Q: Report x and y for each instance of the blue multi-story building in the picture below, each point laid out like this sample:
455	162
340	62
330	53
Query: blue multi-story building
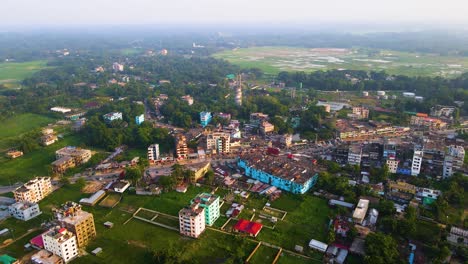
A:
286	174
139	119
211	204
205	118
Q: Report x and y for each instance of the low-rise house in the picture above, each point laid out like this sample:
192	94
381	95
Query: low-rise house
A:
266	128
428	196
458	236
248	227
359	213
318	245
188	99
13	154
199	169
48	139
94	199
24	210
401	186
46	257
119	186
109	117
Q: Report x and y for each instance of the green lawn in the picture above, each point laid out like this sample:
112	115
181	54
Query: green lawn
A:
307	218
264	254
13	72
290	259
36	163
19	124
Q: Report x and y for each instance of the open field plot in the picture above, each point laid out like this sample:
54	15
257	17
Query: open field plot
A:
307	218
20	124
275	59
157	218
35	163
14	72
264	254
111	200
286	258
273	212
168	203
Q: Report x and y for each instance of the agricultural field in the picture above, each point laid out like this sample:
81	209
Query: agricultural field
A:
14	72
275	59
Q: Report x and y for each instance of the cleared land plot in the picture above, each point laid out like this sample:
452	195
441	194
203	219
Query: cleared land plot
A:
275	59
265	220
111	200
13	72
280	214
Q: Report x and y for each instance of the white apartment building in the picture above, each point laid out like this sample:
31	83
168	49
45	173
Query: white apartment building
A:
61	242
192	220
24	210
219	141
34	190
453	160
417	162
153	152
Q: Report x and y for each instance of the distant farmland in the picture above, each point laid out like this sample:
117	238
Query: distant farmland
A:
14	72
275	59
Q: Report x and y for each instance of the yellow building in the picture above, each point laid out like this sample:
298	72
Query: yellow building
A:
79	222
199	169
401	186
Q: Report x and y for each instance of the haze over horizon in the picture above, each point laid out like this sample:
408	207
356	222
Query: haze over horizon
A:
54	13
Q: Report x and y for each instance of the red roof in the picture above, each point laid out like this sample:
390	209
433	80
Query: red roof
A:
246	226
37	241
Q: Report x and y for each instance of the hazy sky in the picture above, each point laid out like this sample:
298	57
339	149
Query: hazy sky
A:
83	12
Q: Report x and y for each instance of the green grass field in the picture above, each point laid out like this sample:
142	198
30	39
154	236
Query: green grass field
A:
19	124
36	163
137	241
307	218
145	241
264	254
275	59
14	72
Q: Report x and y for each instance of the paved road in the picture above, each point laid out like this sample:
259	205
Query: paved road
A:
7	189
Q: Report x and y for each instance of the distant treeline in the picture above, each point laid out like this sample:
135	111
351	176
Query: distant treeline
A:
39	45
